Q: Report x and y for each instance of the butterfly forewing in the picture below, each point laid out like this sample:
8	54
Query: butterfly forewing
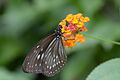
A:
33	61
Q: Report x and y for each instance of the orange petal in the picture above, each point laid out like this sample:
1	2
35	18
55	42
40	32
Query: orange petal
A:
79	38
78	15
86	19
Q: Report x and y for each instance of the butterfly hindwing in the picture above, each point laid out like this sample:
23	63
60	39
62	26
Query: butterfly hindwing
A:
55	59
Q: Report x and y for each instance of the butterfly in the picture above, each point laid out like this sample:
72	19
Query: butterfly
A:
48	56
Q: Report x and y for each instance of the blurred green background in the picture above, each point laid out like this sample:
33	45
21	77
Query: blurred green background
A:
24	22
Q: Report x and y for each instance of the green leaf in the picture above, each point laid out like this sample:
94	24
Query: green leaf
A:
7	75
109	70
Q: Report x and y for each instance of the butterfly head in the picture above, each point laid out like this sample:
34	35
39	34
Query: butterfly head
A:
58	31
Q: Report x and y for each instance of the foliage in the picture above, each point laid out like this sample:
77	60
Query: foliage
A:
106	71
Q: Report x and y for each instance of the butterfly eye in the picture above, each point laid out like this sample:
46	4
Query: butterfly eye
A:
60	27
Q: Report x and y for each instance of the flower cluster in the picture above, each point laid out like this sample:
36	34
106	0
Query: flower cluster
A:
71	26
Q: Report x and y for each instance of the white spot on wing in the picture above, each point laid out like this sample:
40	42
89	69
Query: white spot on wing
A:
38	56
45	62
39	64
42	56
54	60
51	72
35	64
50	67
38	46
41	49
54	65
59	62
56	57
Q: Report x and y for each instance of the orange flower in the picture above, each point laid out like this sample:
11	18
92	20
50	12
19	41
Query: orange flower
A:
79	38
69	43
72	25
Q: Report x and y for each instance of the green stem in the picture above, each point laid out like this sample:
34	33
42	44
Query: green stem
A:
114	42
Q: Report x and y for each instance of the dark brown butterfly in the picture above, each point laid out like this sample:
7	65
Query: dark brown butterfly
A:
48	56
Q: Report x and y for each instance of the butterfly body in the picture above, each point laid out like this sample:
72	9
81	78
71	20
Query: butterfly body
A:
48	56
